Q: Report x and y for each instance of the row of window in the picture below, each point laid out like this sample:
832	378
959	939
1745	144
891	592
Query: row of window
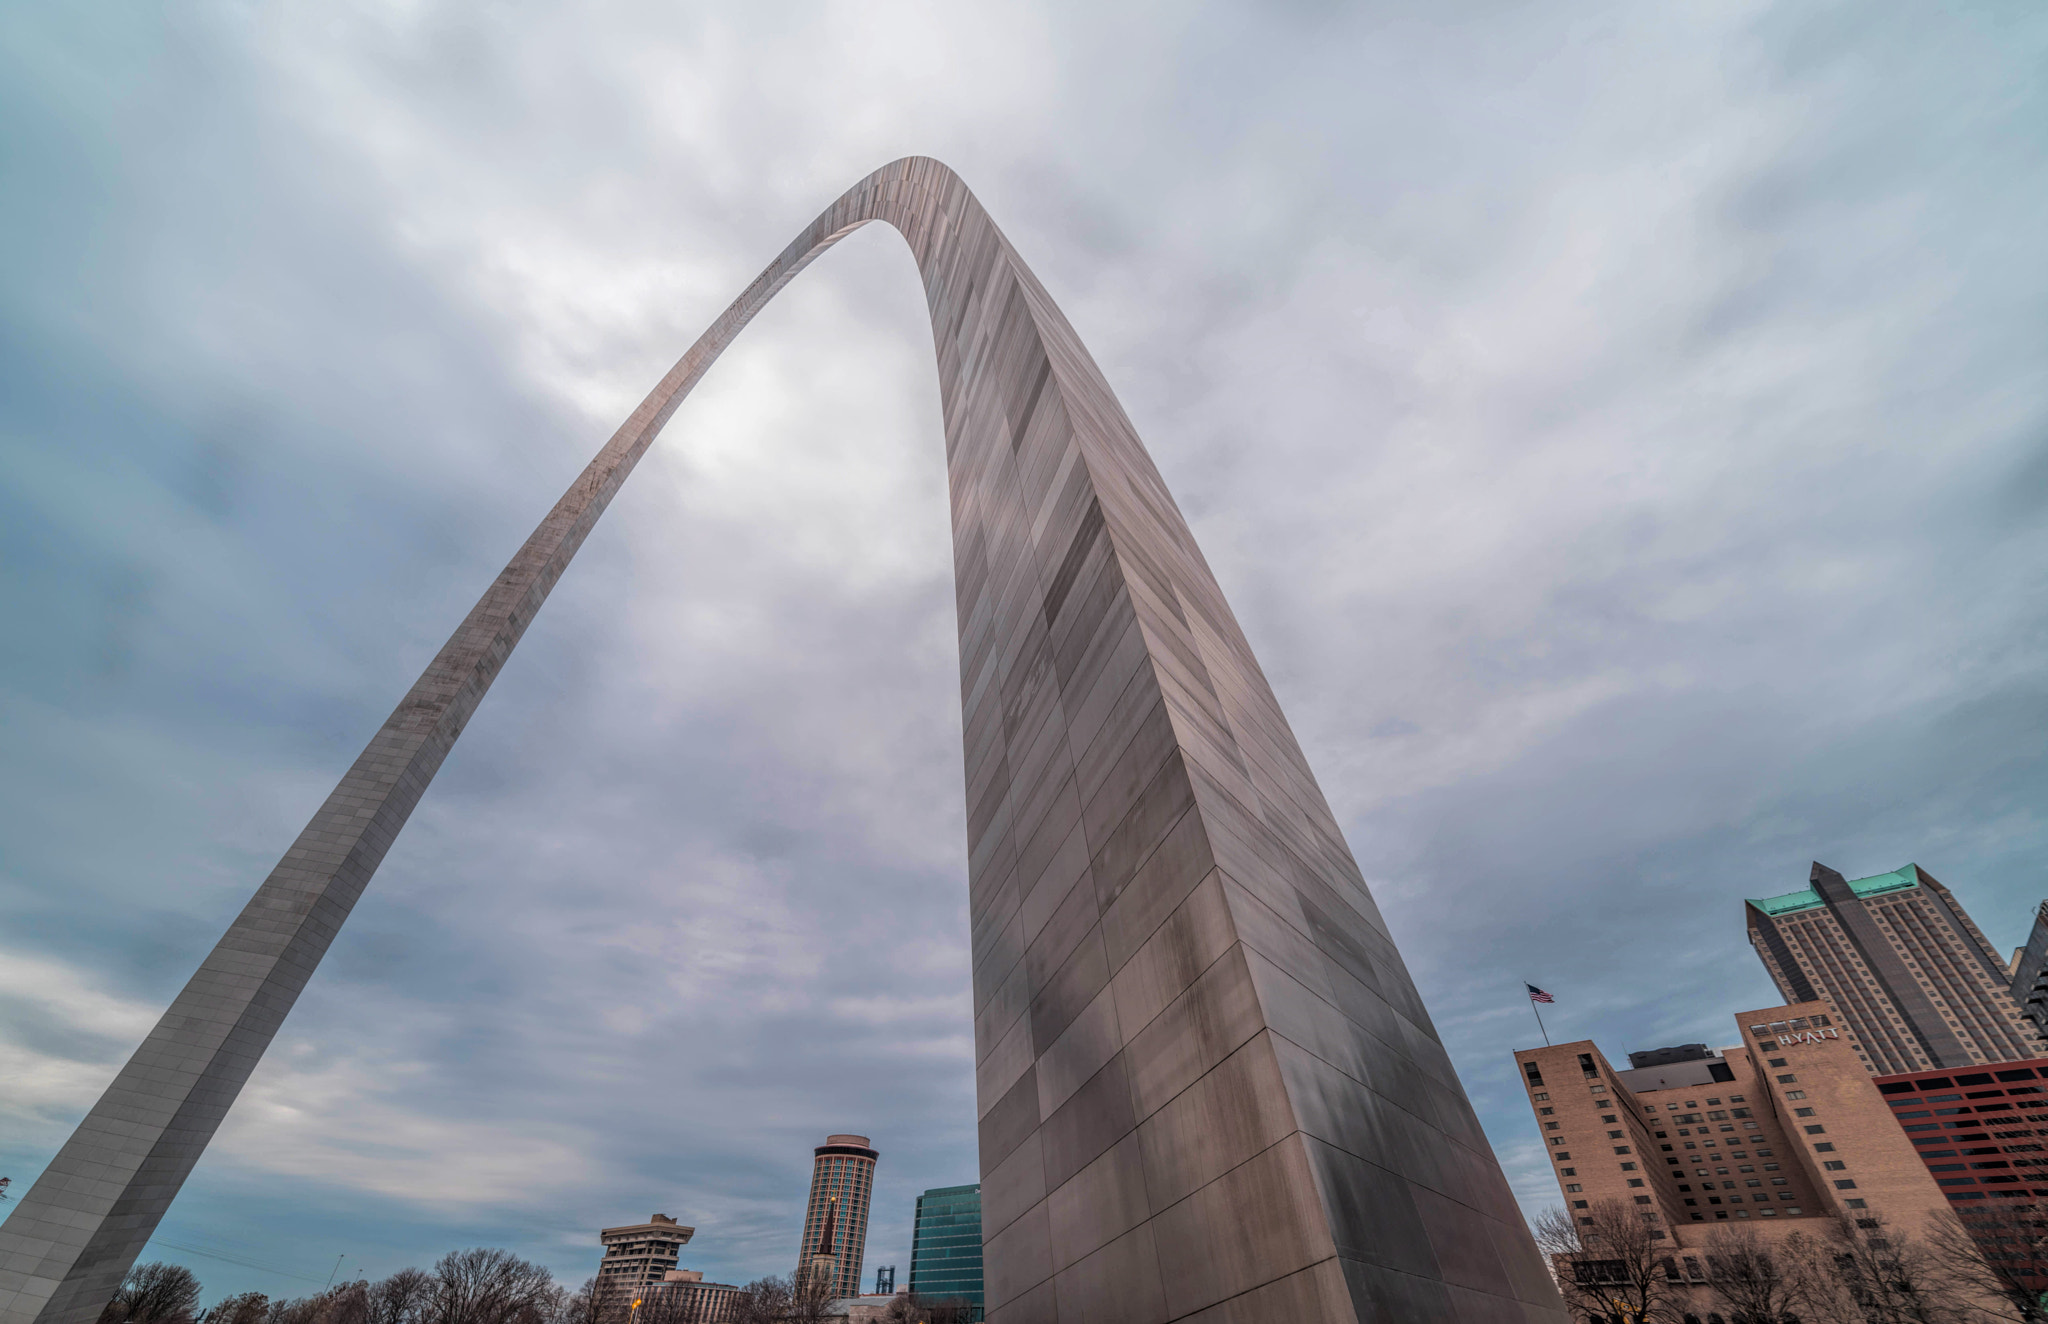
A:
1963	1081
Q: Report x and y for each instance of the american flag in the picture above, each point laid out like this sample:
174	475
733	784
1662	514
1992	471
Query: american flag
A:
1538	995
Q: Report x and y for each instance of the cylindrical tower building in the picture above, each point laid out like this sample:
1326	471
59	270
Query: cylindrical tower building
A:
836	1223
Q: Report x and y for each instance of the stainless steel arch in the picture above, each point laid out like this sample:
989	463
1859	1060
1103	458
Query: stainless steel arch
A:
1207	1087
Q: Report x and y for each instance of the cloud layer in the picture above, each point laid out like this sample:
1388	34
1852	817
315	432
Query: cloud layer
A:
1621	434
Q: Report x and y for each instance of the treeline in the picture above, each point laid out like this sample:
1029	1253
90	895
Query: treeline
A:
491	1287
466	1287
1986	1265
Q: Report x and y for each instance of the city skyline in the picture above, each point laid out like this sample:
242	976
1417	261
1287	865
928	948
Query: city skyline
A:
1652	513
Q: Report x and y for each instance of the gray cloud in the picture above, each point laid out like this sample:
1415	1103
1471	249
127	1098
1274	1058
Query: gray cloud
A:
1620	433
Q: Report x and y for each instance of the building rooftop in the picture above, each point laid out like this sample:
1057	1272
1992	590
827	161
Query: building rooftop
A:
1658	1057
1806	898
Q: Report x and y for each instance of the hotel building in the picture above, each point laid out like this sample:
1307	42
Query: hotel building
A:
836	1220
1897	960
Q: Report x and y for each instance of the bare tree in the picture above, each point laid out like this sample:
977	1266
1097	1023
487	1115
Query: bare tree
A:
1872	1273
1993	1260
810	1292
763	1301
245	1308
347	1304
403	1298
154	1293
1607	1262
1758	1283
481	1286
598	1301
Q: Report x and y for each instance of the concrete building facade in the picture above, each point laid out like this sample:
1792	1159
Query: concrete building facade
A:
835	1239
639	1254
683	1297
1204	1078
1897	959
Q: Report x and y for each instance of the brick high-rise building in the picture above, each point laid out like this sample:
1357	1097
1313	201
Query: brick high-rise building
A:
1787	1128
1899	962
1688	1141
836	1221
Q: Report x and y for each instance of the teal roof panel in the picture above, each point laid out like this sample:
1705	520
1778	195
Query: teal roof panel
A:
1886	882
1806	898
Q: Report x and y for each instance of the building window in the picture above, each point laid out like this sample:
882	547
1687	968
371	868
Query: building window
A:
1816	1130
1628	1167
1795	1094
1642	1199
1635	1181
1823	1146
1835	1165
1573	1186
1845	1185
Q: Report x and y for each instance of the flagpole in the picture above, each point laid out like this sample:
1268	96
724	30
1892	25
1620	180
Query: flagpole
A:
1526	985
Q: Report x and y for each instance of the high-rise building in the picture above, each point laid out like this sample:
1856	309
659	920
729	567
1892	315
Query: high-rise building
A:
2029	982
640	1253
1685	1141
1784	1129
945	1248
1897	959
836	1221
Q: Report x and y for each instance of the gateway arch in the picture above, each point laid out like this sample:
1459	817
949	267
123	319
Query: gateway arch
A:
1207	1088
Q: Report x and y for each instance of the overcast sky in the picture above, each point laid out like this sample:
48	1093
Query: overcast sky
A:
1622	430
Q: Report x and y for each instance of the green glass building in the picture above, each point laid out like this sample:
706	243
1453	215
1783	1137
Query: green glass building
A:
945	1249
